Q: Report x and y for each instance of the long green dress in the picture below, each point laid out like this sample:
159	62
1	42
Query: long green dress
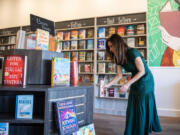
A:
141	114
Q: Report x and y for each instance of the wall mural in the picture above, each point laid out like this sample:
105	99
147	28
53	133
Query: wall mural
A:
164	33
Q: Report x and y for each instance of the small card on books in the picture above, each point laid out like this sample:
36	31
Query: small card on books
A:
66	117
15	70
4	128
60	74
24	106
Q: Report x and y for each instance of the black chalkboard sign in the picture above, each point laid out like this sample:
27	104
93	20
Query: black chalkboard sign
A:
75	23
121	19
41	23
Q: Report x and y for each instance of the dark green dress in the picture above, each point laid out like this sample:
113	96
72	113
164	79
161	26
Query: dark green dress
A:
141	115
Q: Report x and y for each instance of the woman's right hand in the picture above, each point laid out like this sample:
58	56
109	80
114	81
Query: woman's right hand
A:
105	86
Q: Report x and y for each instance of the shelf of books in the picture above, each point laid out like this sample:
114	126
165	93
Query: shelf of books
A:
132	27
77	40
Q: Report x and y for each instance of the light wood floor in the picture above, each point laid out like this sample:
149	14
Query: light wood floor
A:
114	125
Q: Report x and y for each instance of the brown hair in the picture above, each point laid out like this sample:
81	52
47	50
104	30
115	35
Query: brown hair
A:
120	49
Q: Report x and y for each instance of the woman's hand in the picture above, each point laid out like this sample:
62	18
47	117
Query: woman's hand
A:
124	88
105	86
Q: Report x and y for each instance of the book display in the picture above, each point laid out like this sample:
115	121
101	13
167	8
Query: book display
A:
79	45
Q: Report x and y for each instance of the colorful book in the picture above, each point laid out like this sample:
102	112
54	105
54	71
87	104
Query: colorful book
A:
66	117
111	31
102	44
81	56
81	68
74	45
82	34
52	44
111	68
4	128
121	30
89	56
31	41
74	73
90	44
111	92
74	56
82	44
90	33
67	35
66	45
131	42
141	42
86	130
67	55
130	30
140	29
60	35
24	107
42	39
15	70
60	74
74	34
100	55
87	68
101	32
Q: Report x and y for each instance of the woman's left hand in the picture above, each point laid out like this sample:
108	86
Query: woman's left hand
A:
123	88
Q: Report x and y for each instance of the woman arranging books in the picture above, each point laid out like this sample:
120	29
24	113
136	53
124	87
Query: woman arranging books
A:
141	114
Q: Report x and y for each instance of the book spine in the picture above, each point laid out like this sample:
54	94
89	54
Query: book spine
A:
16	111
52	73
25	71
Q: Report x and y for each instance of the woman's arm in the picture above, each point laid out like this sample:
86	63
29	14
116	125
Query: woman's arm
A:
116	78
141	71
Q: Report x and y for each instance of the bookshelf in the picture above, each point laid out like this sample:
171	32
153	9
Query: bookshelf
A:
77	40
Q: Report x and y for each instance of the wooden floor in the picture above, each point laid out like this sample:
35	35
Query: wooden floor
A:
114	125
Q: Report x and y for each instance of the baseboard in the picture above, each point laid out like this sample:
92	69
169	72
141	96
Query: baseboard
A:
168	112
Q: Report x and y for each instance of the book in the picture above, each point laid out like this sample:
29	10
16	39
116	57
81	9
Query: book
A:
15	70
102	44
121	30
20	39
141	42
82	34
52	44
24	107
89	56
12	40
81	56
74	73
111	68
130	30
66	117
4	128
86	130
100	55
1	69
101	67
60	35
74	56
111	31
90	44
66	45
90	33
140	29
74	34
111	92
101	32
42	39
67	55
131	42
60	74
82	44
67	35
81	68
87	68
74	45
31	41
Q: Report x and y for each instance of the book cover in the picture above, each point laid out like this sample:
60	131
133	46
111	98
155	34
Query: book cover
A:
121	30
4	128
60	35
67	55
66	45
82	34
111	92
1	69
52	44
111	31
101	67
74	34
141	42
131	42
81	68
90	33
81	56
101	55
140	29
74	45
15	70
42	39
89	56
24	107
101	32
66	117
86	130
74	56
90	44
130	30
87	68
111	68
74	73
31	41
60	74
67	35
82	44
102	44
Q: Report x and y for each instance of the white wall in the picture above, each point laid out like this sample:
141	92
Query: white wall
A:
16	13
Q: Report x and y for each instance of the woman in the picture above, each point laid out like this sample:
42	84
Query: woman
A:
141	114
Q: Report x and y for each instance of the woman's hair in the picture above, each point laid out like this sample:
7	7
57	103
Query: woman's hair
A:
120	49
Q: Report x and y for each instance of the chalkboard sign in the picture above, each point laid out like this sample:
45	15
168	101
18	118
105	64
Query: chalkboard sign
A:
121	19
41	23
9	31
75	23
